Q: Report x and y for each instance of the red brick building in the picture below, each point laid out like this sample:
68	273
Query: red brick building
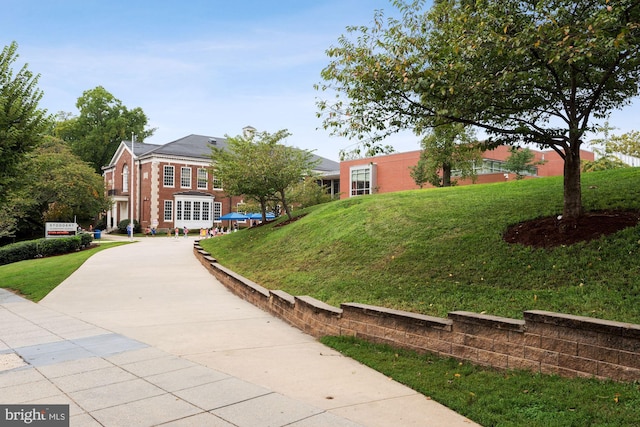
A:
170	185
386	174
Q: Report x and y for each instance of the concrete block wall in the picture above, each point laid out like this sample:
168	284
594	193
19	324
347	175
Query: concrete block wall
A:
546	342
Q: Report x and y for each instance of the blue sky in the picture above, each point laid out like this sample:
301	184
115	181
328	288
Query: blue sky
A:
203	67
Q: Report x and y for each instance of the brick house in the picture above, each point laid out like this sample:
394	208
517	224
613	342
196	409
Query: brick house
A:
389	173
171	185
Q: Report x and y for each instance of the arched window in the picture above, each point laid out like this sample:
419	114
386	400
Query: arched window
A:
125	179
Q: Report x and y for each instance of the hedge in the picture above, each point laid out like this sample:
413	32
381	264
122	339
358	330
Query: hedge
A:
43	247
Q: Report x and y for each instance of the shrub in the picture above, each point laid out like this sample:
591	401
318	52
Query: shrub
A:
43	247
122	226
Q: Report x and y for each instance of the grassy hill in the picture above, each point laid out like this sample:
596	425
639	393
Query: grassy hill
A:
437	250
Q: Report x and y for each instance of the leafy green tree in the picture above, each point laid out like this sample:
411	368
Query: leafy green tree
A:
307	193
420	173
627	144
57	186
609	147
521	162
22	122
603	163
259	167
523	71
447	148
103	123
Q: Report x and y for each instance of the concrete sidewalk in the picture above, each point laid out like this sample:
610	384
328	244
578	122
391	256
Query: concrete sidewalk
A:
142	334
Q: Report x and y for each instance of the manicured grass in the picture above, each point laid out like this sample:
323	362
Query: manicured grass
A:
438	250
493	398
35	278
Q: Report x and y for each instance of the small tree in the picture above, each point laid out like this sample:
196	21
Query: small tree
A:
307	193
259	167
420	172
521	162
446	148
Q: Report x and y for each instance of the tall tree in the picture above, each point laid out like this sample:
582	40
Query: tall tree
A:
22	122
533	71
103	123
57	186
258	166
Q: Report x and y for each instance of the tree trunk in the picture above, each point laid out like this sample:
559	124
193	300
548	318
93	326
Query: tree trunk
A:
572	188
263	209
446	175
285	205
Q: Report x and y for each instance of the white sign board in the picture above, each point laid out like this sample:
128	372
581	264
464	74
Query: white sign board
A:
60	229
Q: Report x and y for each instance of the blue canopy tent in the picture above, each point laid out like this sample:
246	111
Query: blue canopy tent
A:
258	215
233	216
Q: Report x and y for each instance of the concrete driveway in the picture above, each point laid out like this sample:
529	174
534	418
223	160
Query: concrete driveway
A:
159	299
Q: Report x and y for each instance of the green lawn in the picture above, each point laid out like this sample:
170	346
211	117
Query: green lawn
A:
35	278
438	250
495	398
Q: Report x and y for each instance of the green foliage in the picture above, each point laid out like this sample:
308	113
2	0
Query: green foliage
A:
103	123
22	123
420	172
42	248
511	68
520	162
261	168
627	143
609	147
122	226
57	186
498	398
603	163
439	250
446	148
307	193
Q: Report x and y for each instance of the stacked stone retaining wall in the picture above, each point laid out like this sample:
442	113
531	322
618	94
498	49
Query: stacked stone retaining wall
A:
551	343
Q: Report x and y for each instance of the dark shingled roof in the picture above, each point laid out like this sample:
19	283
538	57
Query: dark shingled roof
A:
199	146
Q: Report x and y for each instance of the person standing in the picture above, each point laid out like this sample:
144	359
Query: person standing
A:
185	231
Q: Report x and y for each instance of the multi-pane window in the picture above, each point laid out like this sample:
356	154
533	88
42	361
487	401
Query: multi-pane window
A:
168	178
196	211
125	179
360	181
206	210
217	211
168	210
185	177
186	213
203	177
217	184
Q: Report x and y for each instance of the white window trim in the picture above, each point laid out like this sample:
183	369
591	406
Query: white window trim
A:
372	179
205	179
164	215
182	175
173	176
